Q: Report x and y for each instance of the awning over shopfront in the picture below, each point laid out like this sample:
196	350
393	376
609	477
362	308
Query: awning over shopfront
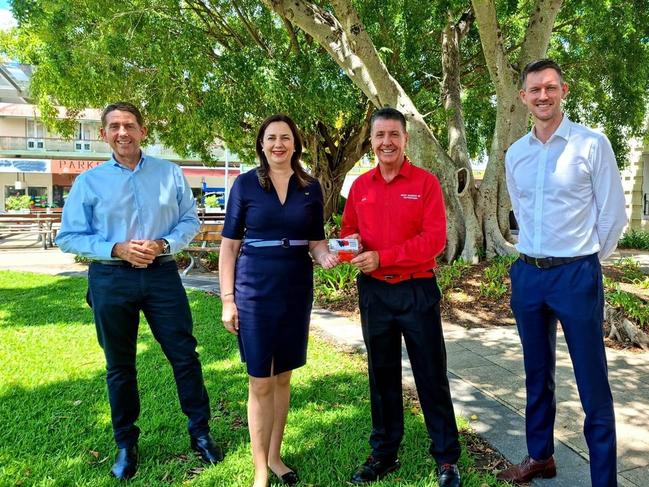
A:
25	165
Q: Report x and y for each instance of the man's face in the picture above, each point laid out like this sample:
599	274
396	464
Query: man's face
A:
123	134
389	141
542	94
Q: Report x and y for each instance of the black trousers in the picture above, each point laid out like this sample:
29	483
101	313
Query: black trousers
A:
411	309
117	295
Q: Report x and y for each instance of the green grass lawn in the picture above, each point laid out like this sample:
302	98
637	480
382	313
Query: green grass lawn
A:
55	420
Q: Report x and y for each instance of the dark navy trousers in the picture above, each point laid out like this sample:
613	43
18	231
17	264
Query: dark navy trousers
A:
117	295
572	294
409	308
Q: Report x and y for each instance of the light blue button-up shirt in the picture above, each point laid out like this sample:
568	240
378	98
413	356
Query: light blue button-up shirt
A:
110	204
566	193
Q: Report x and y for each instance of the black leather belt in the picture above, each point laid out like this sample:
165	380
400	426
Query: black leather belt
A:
549	262
122	263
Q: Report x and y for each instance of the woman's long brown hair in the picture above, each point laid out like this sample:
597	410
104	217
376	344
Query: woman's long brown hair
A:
302	177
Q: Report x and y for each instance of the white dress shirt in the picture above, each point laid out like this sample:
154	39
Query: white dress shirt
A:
566	194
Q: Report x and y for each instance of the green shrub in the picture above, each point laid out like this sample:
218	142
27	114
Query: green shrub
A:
211	201
632	306
23	202
80	259
336	283
332	227
631	272
634	239
494	285
449	275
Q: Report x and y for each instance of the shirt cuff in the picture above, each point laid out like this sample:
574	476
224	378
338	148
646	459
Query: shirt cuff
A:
387	257
173	244
105	250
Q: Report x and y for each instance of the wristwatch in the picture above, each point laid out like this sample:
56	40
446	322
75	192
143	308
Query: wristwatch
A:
166	249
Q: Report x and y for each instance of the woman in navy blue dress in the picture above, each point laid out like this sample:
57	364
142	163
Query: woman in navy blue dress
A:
273	226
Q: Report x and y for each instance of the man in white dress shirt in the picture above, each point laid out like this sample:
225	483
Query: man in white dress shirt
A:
567	196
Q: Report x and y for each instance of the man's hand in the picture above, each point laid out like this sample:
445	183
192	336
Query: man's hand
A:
140	253
155	246
366	262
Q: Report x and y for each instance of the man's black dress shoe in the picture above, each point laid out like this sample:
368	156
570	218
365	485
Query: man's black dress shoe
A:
207	449
289	478
448	476
374	469
125	464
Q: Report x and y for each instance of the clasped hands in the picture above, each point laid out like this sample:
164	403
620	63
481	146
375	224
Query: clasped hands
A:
140	253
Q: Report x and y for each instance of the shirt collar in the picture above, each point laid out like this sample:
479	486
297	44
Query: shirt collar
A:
404	170
563	131
139	165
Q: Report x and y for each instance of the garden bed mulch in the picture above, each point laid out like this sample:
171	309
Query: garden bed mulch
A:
464	305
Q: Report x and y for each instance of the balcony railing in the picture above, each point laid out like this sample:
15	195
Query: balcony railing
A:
44	145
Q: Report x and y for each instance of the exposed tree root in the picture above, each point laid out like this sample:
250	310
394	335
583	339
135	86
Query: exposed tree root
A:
620	328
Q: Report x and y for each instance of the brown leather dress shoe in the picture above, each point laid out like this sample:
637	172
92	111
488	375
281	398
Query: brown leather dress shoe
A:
528	469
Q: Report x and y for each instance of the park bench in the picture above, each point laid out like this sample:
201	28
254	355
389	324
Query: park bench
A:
206	241
42	227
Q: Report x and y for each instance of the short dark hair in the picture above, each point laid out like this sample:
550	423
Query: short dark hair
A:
388	113
539	65
303	178
122	106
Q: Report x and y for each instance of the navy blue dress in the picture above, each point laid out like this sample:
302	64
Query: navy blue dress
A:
273	285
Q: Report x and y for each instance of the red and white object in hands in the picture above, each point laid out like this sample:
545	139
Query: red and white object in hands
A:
345	248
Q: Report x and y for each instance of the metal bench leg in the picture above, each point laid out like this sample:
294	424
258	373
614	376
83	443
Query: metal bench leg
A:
190	266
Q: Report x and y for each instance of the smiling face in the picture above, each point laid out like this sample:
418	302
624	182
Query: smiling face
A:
124	134
278	144
389	140
542	94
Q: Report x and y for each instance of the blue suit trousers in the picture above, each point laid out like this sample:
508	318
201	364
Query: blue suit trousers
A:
573	295
117	295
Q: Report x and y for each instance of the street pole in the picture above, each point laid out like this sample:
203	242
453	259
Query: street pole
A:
226	193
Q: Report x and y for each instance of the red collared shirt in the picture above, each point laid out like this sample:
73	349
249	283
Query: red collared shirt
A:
404	220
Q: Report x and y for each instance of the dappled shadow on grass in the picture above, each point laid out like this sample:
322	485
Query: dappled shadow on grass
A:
59	433
35	300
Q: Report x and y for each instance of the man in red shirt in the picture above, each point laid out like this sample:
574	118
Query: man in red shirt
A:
396	210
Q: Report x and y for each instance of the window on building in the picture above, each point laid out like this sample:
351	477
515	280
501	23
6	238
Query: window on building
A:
38	195
86	132
59	195
35	135
35	129
12	191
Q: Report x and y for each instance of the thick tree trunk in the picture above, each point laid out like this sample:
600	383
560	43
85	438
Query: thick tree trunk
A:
493	203
333	156
343	36
457	145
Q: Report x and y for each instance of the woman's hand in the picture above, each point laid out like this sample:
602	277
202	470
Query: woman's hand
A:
230	315
328	260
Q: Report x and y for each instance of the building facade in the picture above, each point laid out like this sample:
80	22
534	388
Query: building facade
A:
43	165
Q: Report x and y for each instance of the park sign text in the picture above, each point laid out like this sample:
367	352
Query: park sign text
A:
71	166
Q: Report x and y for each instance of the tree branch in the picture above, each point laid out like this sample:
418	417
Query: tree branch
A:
251	30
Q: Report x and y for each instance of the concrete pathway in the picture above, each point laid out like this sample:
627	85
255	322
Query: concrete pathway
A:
487	381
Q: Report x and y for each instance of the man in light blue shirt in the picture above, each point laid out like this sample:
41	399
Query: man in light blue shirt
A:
130	215
567	196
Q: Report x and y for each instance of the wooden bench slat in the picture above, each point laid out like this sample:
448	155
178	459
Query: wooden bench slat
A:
208	233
